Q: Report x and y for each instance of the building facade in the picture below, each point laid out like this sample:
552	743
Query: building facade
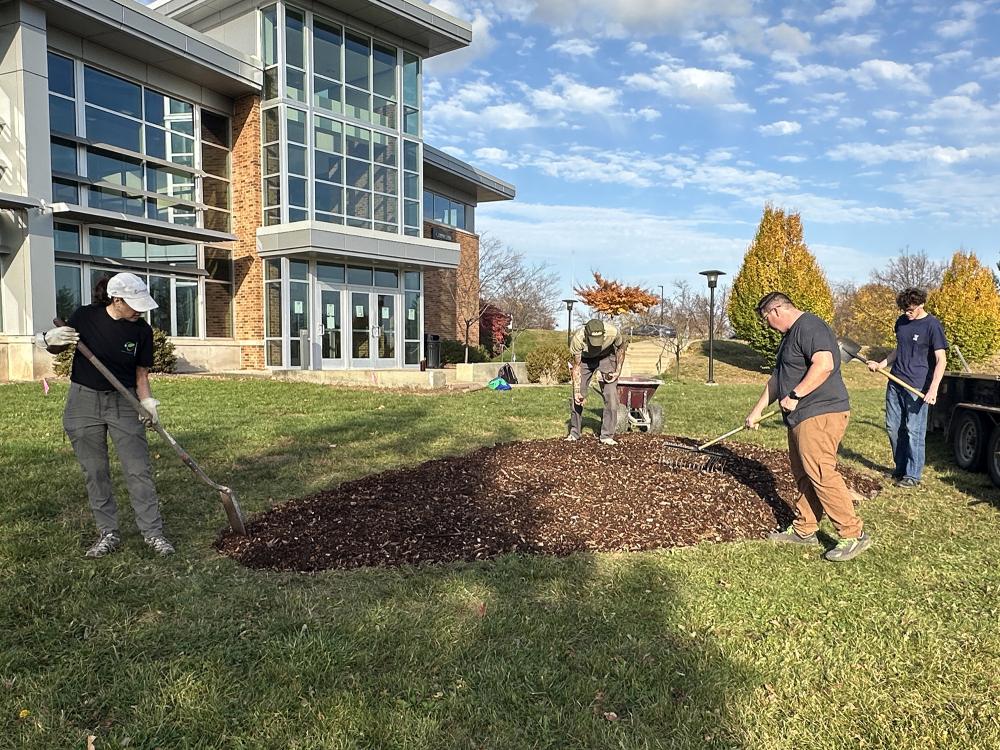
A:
261	164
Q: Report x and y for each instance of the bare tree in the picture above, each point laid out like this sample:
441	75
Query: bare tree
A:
910	269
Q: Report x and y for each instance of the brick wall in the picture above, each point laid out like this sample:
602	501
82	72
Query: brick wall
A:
247	266
451	294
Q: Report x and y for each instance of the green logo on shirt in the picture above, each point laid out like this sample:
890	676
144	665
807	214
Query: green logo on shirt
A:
129	348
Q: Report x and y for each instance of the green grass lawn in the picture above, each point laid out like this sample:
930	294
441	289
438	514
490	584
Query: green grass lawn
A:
717	646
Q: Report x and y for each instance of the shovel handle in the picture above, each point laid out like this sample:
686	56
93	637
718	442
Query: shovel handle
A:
891	377
742	427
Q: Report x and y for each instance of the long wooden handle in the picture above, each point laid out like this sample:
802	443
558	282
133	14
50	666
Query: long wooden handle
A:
734	431
903	383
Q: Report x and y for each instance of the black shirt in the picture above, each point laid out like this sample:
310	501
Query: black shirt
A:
120	345
808	335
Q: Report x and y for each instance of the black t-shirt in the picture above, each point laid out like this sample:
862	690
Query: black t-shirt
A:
808	335
120	345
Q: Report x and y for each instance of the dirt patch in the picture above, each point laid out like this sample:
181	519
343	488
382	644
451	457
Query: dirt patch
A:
539	497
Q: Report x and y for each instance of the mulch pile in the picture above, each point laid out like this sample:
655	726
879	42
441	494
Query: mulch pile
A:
539	497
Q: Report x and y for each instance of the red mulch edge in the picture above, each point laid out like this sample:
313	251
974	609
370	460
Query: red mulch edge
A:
538	497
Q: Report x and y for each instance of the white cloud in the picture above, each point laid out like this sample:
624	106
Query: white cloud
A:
778	100
476	93
565	94
872	73
513	116
788	39
964	25
987	67
968	89
637	48
732	61
911	151
482	45
950	58
623	17
493	155
691	85
792	159
781	127
886	114
803	74
575	47
455	151
851	44
852	123
846	10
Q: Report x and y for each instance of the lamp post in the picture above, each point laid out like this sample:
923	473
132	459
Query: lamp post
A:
661	304
569	319
713	281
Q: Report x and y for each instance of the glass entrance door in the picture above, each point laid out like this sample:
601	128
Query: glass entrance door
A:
361	330
385	330
330	331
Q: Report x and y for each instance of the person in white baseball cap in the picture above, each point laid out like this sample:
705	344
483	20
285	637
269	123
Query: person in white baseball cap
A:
121	339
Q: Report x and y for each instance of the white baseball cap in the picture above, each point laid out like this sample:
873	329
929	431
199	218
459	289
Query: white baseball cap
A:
133	290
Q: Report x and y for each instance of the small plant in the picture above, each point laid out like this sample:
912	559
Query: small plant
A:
164	358
453	352
548	364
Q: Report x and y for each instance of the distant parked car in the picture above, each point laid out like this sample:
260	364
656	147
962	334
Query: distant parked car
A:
652	329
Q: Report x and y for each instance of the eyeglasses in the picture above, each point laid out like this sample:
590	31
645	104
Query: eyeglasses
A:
767	312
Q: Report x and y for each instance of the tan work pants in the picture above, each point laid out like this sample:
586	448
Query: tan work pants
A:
812	451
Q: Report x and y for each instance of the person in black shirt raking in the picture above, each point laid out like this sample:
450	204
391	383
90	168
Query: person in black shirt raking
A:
114	329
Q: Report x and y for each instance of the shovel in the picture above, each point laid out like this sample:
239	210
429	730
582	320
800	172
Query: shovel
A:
226	495
851	349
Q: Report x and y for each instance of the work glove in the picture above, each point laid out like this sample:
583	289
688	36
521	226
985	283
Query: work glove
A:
150	404
61	336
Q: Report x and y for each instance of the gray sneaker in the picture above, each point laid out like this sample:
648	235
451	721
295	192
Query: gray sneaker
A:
571	438
160	545
791	536
848	549
608	441
106	543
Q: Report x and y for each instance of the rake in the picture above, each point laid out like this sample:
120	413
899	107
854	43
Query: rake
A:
226	495
704	460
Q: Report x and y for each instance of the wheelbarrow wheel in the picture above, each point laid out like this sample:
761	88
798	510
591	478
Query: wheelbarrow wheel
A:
655	418
622	422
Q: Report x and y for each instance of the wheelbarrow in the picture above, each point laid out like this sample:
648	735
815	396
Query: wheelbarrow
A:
634	409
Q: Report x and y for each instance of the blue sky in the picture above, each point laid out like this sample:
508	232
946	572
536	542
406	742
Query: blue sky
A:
644	136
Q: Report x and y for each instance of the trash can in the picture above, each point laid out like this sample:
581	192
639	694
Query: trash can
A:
432	350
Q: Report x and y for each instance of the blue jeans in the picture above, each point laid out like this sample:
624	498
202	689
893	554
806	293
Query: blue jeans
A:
906	422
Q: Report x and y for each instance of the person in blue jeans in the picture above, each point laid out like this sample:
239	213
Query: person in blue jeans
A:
920	358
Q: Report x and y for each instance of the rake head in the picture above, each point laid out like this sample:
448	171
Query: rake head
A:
686	457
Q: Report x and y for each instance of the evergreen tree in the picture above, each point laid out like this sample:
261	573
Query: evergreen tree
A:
968	306
777	260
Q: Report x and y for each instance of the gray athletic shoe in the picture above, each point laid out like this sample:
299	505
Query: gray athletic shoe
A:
106	543
571	438
848	549
160	545
609	441
790	536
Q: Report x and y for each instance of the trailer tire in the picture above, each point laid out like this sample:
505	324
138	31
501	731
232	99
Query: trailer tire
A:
969	438
993	456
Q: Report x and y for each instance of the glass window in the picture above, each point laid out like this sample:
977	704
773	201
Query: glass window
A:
298	270
384	69
61	79
356	104
159	290
108	167
297	195
411	155
215	193
271	129
296	159
383	112
326	94
327	42
117	245
384	149
104	127
360	276
294	38
411	213
218	310
411	185
69	294
358	142
272	191
154	107
295	85
272	159
332	274
329	198
172	251
66	238
385	179
356	59
328	135
63	157
411	280
411	75
386	278
214	129
411	121
271	83
269	35
215	220
64	191
115	200
359	174
272	269
112	92
219	264
329	167
296	125
359	204
215	160
62	115
187	307
170	182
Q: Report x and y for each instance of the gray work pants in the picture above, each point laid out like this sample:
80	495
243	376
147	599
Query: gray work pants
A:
90	415
588	368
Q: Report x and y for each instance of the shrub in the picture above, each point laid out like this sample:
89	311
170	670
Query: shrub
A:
453	352
547	364
777	260
164	359
870	316
968	306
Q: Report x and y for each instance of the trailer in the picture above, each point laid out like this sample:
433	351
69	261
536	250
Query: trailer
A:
967	412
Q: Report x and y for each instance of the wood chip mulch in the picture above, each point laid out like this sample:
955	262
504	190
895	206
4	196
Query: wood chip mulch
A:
540	497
